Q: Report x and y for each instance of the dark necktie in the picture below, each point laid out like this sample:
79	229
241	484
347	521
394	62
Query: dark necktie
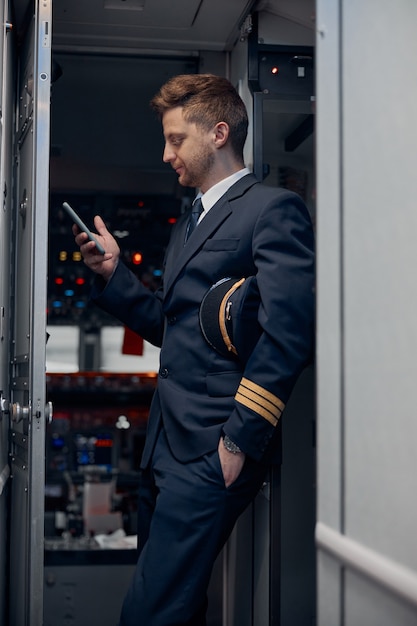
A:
195	214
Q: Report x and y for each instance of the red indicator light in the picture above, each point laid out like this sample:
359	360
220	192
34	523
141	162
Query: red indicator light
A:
275	70
80	281
172	220
59	280
137	258
141	204
104	443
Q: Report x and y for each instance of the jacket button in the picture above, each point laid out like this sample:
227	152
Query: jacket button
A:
265	442
163	373
172	320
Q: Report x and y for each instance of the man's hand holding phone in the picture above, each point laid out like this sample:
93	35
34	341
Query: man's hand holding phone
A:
100	251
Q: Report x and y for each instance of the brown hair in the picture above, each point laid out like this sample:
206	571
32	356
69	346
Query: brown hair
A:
206	100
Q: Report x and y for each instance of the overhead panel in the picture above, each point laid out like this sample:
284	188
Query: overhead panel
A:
163	24
136	14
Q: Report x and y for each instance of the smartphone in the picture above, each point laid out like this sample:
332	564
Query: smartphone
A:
77	219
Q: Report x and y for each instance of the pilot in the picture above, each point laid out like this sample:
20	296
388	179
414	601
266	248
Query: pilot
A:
234	319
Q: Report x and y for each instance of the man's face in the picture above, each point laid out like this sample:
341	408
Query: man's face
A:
188	149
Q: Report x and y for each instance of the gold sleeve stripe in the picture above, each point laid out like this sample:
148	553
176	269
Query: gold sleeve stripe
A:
255	407
260	400
264	393
268	406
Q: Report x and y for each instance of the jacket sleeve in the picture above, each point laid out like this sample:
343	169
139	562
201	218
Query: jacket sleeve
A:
124	297
283	252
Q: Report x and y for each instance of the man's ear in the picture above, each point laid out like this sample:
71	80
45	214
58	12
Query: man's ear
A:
221	134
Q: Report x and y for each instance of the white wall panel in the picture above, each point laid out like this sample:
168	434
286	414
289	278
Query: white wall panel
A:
367	298
380	289
329	372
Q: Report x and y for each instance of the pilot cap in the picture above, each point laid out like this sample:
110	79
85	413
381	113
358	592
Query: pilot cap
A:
229	317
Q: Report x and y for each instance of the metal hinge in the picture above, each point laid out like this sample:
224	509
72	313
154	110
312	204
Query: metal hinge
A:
4	406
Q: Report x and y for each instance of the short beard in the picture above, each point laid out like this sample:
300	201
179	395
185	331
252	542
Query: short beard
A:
199	168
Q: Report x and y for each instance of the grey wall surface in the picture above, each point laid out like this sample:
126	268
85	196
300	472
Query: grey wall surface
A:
367	296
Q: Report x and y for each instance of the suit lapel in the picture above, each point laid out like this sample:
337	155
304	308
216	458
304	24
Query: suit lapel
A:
178	254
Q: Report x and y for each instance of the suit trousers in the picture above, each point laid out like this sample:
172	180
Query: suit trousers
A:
186	515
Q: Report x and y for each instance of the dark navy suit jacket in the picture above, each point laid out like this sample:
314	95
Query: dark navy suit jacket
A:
252	230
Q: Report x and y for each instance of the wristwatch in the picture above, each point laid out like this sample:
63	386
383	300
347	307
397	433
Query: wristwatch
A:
230	445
